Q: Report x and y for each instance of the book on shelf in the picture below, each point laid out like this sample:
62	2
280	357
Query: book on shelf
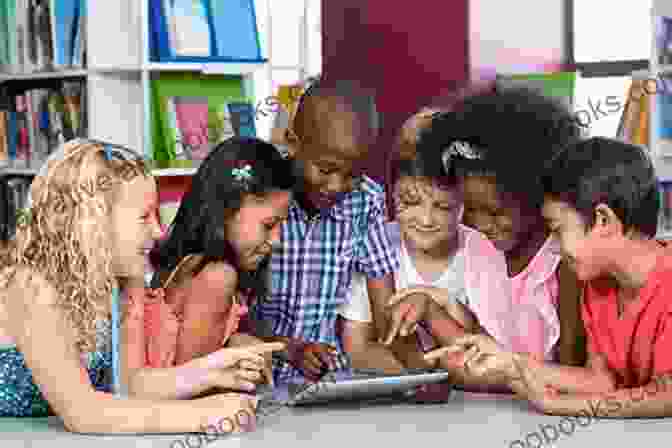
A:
634	124
13	193
288	98
664	39
42	35
38	120
191	114
665	216
664	105
198	125
188	27
204	30
242	118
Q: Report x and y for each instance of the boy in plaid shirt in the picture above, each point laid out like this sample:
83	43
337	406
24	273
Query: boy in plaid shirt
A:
336	226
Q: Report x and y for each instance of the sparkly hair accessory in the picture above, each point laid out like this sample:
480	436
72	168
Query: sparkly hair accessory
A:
459	149
242	173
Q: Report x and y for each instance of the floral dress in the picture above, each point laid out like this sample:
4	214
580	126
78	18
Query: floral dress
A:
21	397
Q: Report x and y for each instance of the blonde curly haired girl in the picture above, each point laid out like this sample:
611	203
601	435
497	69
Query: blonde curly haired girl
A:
93	214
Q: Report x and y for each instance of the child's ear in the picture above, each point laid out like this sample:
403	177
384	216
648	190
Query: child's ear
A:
607	223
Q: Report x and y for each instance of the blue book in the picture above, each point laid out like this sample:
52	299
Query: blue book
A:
63	19
665	108
242	119
12	133
78	34
235	29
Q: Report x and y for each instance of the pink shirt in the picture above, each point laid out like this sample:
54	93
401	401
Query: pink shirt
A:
637	346
520	312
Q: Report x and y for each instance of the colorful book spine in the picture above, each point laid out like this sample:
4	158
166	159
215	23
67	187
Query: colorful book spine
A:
242	117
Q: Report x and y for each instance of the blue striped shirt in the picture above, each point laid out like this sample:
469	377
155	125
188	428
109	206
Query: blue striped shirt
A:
312	268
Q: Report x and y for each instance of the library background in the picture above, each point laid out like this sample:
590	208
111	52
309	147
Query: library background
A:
172	78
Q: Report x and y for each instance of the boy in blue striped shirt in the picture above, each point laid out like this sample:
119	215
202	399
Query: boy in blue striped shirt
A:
336	226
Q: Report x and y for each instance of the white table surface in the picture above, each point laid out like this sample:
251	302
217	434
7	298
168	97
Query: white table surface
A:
469	420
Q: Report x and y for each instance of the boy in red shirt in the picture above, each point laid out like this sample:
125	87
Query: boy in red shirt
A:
602	205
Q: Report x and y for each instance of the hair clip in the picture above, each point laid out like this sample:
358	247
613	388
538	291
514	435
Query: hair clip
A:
460	149
242	174
108	151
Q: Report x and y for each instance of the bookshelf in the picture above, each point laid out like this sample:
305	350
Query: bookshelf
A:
119	73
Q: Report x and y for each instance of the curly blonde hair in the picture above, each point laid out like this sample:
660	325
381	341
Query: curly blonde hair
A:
65	235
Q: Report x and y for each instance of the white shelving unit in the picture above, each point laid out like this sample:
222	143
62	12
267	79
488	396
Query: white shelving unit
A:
119	73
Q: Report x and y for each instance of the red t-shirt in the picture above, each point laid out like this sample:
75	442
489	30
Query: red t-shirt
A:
637	346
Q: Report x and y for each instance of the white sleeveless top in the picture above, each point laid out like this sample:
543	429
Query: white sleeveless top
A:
452	278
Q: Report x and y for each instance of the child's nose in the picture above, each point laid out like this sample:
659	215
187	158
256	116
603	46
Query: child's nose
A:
427	216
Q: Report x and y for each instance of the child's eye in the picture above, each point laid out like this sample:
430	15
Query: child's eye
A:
410	202
326	171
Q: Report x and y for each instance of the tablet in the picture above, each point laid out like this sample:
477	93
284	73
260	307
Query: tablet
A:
359	384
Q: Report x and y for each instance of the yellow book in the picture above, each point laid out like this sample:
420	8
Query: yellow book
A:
288	97
632	113
641	133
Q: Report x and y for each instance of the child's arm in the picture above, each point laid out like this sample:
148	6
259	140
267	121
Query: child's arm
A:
651	400
378	260
572	343
380	290
45	338
594	378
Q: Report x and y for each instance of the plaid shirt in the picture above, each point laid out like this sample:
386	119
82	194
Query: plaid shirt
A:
312	269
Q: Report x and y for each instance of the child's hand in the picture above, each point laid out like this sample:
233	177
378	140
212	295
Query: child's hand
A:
405	309
240	366
482	356
312	358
